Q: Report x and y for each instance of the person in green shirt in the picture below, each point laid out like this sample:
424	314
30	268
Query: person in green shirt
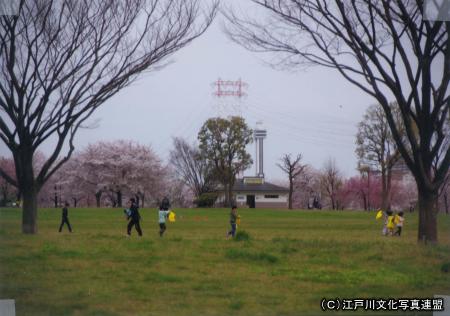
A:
233	219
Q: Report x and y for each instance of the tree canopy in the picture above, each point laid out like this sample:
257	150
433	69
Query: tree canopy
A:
389	50
222	144
61	60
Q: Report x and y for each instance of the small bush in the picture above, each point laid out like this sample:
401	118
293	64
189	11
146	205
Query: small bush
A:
250	256
206	199
162	278
236	305
242	235
236	254
287	249
375	257
267	257
445	267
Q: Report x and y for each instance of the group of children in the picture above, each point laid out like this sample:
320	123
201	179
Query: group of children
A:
133	216
393	223
164	213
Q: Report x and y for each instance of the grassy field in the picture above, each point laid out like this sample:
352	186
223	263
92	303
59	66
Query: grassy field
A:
292	260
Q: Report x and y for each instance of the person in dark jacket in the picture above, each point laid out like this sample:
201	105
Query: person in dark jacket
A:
133	216
163	213
65	218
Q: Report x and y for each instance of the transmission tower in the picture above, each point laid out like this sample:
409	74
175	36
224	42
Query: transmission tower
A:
229	95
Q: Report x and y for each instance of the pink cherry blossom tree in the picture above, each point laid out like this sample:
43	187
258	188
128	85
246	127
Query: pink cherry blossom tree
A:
306	189
363	192
113	169
7	190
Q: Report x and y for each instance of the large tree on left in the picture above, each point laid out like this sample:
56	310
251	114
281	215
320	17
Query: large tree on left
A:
60	60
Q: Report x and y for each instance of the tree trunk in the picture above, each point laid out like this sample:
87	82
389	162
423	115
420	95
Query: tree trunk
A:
388	189
446	203
23	160
230	195
384	201
98	197
386	183
55	200
4	195
427	216
437	205
119	198
368	189
291	189
138	200
29	210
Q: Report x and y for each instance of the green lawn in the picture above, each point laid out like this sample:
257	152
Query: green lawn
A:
292	260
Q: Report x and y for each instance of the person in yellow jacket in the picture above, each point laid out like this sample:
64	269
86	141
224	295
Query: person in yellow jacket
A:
390	223
172	216
379	214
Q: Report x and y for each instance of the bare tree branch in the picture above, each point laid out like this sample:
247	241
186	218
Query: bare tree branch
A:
61	60
385	48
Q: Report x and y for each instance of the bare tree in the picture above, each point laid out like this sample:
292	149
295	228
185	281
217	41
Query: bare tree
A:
389	50
293	168
60	60
190	166
331	181
376	148
307	189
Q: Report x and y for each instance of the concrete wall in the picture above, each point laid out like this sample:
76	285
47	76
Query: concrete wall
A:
260	200
282	198
271	205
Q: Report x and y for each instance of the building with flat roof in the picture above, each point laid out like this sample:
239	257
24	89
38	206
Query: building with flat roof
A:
256	192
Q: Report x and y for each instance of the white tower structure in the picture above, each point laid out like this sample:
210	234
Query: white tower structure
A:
259	134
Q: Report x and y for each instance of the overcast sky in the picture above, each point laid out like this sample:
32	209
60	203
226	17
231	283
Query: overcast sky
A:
313	112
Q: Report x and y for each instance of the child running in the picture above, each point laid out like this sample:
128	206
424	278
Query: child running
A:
134	217
163	213
233	219
390	225
399	220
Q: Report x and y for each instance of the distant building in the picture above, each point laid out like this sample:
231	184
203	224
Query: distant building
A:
401	172
255	192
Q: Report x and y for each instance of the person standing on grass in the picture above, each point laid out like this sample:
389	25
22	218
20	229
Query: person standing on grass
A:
163	213
134	217
233	219
399	220
385	222
65	218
